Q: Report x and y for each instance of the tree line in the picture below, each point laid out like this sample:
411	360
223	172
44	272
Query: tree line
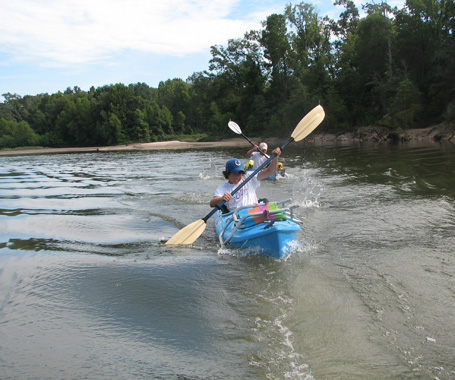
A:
392	67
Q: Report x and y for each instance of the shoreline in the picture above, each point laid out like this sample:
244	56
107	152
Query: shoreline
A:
361	135
159	145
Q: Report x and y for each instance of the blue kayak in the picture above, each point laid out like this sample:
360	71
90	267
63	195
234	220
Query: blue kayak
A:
269	229
274	176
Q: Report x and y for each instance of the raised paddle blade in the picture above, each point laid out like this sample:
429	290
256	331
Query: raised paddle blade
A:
234	127
188	234
309	123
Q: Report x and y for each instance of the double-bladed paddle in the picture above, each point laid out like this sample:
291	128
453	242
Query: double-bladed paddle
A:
188	234
234	127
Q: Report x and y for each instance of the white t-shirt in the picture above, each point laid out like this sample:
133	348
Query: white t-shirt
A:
245	196
258	159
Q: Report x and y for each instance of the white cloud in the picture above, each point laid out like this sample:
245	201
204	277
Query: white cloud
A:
74	32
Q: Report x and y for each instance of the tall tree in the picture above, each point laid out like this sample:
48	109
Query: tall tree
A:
174	94
424	32
237	78
274	39
311	60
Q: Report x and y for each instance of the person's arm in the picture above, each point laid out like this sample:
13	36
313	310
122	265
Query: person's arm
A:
215	200
252	150
271	169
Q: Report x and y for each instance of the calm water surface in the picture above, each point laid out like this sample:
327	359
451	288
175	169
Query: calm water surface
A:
87	291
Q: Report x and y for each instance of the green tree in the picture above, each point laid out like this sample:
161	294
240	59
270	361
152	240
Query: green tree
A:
365	77
216	121
174	94
180	122
238	78
108	130
122	101
152	117
15	134
425	45
140	131
312	61
407	108
347	21
165	119
201	94
305	35
276	51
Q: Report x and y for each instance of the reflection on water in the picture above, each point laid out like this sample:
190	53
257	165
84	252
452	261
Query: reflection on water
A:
88	291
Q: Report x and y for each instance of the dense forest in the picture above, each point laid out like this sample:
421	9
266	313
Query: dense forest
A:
391	67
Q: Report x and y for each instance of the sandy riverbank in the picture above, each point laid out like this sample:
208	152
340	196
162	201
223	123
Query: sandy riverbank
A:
160	145
364	134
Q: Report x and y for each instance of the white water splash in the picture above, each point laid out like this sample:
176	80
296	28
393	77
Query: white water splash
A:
211	171
307	190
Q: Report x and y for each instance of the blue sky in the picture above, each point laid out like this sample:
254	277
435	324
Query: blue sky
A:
50	45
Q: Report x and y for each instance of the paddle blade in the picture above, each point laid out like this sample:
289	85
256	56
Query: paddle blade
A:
234	127
188	234
309	123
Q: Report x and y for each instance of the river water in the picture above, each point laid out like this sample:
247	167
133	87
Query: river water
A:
88	291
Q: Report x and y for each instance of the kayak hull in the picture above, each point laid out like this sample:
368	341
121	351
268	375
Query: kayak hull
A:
272	237
276	175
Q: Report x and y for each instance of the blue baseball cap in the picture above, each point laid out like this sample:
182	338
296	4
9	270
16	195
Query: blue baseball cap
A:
234	165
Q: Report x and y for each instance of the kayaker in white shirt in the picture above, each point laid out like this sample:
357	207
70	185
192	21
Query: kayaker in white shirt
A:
259	154
235	174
